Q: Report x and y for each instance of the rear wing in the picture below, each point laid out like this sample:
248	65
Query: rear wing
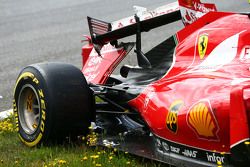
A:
187	10
103	32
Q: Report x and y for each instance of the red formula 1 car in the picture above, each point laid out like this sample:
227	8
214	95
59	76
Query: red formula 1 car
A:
186	103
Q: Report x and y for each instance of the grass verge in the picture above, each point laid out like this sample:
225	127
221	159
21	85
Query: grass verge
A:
14	153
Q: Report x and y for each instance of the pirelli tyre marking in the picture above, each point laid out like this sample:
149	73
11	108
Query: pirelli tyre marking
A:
30	109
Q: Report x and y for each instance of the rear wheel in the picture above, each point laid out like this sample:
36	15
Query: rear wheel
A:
52	101
29	107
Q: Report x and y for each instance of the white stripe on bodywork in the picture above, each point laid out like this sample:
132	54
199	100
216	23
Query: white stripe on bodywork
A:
237	81
241	141
223	54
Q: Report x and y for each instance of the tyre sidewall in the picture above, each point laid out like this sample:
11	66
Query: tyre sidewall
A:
31	76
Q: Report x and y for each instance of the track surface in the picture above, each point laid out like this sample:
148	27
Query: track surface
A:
33	31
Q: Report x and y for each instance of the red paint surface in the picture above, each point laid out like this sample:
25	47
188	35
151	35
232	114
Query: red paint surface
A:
191	84
220	83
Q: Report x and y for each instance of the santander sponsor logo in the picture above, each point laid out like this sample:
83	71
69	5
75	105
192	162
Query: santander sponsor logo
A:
189	17
144	14
191	11
202	8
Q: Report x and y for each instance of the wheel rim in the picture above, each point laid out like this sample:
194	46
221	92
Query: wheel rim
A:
29	109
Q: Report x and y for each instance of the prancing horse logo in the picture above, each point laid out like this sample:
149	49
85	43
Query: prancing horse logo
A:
202	45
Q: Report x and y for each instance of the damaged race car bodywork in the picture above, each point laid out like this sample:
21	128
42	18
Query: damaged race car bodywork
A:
186	103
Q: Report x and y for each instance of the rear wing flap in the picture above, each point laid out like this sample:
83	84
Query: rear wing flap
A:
187	10
102	32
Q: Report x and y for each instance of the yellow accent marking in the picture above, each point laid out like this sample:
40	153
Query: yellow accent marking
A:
247	143
23	75
219	163
42	126
33	143
40	92
43	106
43	115
202	45
34	126
14	104
35	80
43	119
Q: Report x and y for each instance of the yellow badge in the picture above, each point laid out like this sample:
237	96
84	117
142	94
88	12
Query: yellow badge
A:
202	45
202	120
172	117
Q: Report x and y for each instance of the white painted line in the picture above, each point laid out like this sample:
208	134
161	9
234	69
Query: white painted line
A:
5	114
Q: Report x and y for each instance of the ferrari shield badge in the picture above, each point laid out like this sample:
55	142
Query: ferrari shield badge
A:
202	45
172	117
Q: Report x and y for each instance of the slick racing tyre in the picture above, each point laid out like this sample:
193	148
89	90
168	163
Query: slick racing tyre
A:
52	101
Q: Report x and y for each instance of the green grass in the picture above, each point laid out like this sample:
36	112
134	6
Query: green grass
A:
14	153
